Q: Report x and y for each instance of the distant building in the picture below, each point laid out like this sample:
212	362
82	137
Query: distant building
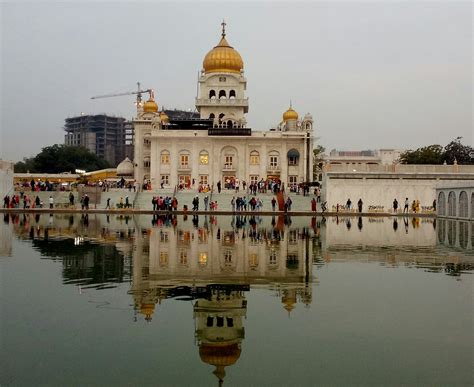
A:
106	136
377	157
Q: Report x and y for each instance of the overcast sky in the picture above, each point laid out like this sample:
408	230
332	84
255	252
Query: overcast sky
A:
373	74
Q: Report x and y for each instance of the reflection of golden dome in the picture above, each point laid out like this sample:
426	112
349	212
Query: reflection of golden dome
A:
223	58
290	114
164	117
150	106
147	309
219	355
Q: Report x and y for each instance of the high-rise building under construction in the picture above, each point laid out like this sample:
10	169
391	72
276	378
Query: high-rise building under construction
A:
108	137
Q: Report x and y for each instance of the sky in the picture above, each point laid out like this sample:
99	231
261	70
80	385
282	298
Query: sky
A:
385	74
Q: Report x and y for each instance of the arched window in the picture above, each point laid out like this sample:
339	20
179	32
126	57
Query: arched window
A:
146	139
308	126
184	160
293	157
212	116
232	94
463	205
165	157
222	94
441	203
221	116
204	158
452	204
146	162
273	160
212	94
452	231
254	158
229	124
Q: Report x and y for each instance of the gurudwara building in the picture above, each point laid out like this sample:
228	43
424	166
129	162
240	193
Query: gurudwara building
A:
219	146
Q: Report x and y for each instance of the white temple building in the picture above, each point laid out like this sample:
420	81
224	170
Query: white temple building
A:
219	147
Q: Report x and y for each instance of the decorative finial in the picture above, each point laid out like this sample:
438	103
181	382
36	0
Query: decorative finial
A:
223	24
291	106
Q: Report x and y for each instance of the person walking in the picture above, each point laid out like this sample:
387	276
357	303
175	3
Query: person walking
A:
71	199
359	205
273	204
219	186
407	203
108	204
348	204
127	202
51	202
206	202
232	203
313	205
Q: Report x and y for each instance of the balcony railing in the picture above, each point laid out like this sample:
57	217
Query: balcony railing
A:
229	132
228	167
273	168
224	102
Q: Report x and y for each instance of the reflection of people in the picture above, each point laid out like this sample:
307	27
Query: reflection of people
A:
434	205
405	221
395	224
359	223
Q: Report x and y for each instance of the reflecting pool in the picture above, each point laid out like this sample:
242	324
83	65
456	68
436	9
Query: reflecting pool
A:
211	300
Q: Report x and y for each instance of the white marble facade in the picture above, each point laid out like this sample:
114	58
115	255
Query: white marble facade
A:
230	151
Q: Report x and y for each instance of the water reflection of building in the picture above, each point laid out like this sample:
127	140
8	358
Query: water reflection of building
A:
219	327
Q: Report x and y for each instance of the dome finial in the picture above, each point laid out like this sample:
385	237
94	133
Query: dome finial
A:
223	24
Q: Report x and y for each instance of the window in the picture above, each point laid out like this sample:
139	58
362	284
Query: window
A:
202	259
146	163
212	94
222	79
293	157
228	162
212	116
222	94
164	236
184	161
165	179
203	179
292	160
165	157
253	260
183	257
254	158
203	158
292	180
253	179
232	94
273	162
221	116
163	258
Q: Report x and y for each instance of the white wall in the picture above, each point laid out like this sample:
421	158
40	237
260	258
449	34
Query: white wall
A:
6	178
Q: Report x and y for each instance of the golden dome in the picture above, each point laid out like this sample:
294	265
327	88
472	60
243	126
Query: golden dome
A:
147	309
223	58
164	117
219	354
290	114
150	106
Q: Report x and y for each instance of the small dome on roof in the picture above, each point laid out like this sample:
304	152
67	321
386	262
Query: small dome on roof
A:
125	168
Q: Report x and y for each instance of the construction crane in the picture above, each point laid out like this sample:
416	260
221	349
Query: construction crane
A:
139	93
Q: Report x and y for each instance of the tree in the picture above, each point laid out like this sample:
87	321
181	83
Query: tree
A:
61	158
436	154
463	154
432	154
318	160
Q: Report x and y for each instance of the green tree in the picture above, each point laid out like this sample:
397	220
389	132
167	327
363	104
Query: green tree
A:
318	161
61	158
463	154
431	154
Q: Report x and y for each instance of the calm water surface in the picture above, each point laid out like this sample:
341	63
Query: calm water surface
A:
257	301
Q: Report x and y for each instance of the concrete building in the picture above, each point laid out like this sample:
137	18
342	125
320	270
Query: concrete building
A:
220	147
377	157
379	185
106	136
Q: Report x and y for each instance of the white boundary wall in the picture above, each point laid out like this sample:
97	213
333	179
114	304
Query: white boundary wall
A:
6	178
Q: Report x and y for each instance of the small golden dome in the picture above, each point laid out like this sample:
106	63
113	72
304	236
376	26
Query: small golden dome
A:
150	106
222	354
290	114
223	58
164	117
147	309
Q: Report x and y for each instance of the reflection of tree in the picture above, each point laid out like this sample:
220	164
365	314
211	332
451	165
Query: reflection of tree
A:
86	263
